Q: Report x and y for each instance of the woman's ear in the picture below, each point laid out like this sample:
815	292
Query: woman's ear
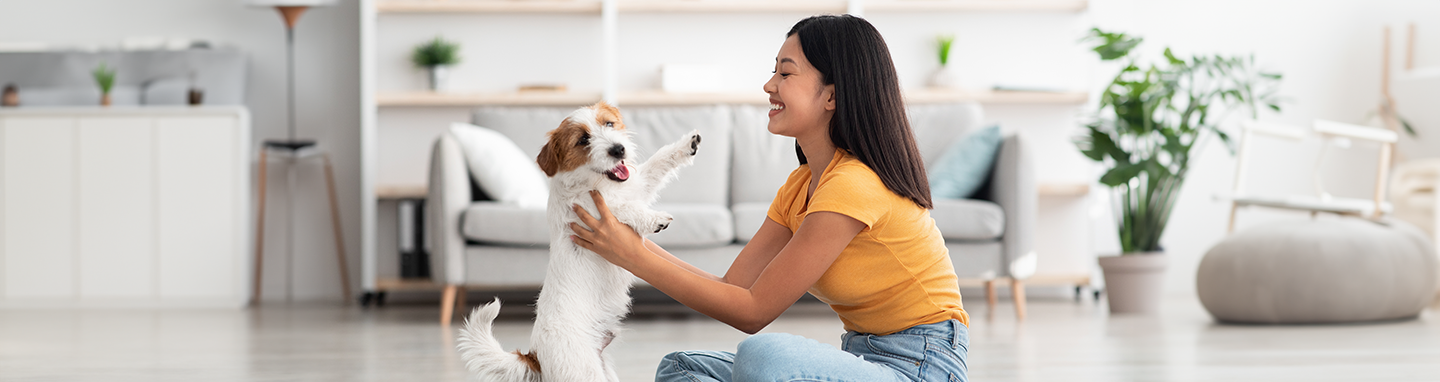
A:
829	95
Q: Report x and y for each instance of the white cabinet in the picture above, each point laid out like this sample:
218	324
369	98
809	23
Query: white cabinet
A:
124	206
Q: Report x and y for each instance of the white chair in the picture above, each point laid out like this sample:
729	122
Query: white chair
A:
1332	133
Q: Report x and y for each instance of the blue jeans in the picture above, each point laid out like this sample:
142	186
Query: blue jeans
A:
931	352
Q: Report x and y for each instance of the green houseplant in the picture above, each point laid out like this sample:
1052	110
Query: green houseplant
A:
105	79
436	56
1150	119
944	77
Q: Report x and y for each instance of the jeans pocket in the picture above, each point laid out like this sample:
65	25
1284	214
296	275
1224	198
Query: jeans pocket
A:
903	352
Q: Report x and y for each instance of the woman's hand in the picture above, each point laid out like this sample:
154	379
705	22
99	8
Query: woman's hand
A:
616	242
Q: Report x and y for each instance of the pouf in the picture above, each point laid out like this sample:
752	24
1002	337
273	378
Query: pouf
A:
1319	271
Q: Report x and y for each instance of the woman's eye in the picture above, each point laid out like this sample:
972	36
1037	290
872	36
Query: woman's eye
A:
584	140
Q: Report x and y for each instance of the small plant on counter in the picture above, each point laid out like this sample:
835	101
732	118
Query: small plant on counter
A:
105	79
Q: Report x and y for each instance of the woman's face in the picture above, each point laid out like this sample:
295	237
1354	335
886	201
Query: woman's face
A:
800	103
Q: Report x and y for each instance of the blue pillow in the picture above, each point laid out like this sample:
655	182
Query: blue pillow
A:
964	166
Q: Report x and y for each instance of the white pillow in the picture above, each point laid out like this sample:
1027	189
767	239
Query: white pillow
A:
502	170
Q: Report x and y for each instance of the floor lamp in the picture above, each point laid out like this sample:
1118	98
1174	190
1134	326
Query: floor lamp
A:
294	149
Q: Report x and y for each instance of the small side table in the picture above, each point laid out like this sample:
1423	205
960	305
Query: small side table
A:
294	151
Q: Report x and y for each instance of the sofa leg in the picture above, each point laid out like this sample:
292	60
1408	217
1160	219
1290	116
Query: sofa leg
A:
990	294
447	305
460	300
1017	290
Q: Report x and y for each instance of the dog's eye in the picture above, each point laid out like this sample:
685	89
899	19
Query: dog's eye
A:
609	124
584	140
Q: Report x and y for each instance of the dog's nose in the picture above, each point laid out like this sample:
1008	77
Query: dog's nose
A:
617	151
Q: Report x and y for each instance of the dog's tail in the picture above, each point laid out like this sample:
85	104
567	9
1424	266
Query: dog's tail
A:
484	356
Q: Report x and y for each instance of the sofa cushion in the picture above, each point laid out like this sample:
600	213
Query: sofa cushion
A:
504	223
968	219
965	165
761	160
748	219
696	225
500	168
526	125
706	180
936	126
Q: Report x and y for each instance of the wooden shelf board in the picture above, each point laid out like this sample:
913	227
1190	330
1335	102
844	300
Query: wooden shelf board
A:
487	6
657	98
977	6
732	6
401	191
397	284
995	97
539	98
1063	189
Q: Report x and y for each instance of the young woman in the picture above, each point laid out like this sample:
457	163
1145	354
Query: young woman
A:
851	226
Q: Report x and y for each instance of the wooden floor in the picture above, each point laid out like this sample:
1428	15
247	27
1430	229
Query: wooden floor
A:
1060	341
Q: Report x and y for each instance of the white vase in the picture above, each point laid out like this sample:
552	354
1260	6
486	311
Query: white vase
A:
439	78
945	78
1134	282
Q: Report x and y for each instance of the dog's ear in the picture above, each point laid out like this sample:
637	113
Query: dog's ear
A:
549	158
605	112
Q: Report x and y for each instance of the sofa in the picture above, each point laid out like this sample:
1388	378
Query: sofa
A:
718	203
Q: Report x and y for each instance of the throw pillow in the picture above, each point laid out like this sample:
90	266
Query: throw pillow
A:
501	169
965	165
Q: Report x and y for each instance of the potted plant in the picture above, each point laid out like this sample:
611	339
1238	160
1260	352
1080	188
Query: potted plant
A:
105	78
436	56
1149	119
944	77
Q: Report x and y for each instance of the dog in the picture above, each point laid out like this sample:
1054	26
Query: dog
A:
584	297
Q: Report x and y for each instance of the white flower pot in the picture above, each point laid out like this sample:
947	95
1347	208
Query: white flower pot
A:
1134	282
945	78
439	78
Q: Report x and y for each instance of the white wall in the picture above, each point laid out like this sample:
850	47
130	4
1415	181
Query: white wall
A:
327	86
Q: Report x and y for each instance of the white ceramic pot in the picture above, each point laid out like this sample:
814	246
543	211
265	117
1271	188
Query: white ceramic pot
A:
439	78
1134	282
945	78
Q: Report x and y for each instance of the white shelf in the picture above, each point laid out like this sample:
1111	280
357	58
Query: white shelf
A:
724	6
657	98
487	6
977	6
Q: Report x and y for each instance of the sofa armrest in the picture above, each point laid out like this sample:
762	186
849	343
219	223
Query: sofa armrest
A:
449	194
1013	188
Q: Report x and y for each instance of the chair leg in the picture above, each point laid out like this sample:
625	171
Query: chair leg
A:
1017	290
259	228
460	300
335	227
990	294
447	305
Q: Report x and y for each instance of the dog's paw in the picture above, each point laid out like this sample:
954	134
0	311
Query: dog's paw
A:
694	139
662	221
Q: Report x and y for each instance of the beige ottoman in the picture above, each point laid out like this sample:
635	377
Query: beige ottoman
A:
1319	271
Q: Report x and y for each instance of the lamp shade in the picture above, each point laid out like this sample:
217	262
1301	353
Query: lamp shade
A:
290	3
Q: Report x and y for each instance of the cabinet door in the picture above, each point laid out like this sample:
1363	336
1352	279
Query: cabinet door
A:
199	207
39	222
117	207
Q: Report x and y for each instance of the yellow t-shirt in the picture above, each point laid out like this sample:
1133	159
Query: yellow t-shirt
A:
893	275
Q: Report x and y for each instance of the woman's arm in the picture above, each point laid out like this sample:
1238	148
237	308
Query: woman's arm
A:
782	280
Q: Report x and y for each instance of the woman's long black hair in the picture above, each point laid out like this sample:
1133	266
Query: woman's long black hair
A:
869	119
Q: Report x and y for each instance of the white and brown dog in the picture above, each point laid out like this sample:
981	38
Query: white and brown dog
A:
584	296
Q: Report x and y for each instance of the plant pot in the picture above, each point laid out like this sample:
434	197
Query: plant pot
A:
105	99
439	78
1134	282
945	78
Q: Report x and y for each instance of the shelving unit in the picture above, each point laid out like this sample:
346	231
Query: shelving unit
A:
608	11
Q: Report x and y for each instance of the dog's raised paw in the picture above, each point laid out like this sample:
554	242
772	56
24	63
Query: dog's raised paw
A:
662	227
694	142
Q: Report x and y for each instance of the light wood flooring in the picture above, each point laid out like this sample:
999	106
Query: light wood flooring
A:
1060	341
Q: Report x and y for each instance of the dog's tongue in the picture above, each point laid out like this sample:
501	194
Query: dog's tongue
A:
621	172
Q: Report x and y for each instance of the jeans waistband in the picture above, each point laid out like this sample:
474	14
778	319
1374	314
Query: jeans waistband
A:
951	330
